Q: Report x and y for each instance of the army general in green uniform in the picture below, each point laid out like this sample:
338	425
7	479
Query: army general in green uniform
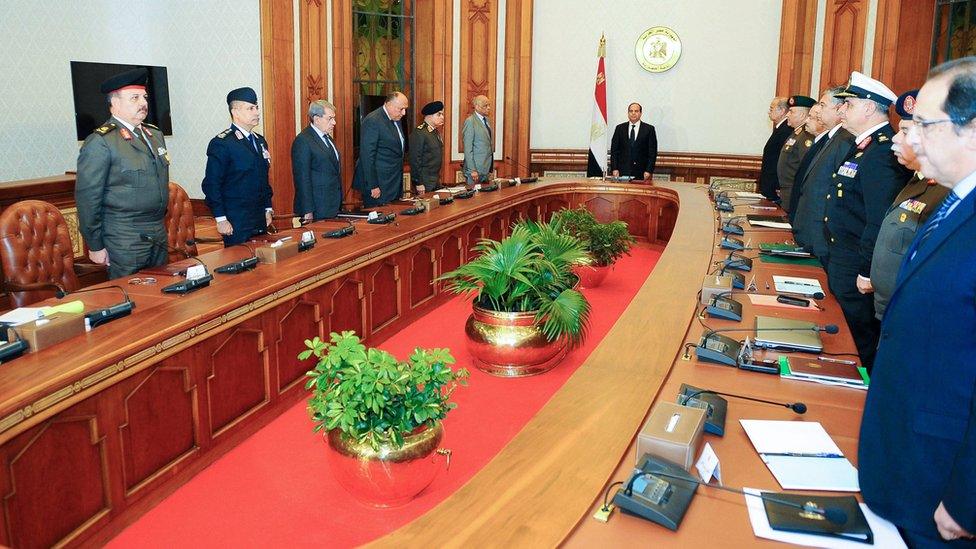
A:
122	185
427	149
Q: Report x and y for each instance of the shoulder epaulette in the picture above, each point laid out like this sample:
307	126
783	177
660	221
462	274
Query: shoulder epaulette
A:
421	126
223	134
150	125
106	128
882	138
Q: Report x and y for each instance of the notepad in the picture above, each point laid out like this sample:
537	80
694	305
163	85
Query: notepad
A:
801	455
797	285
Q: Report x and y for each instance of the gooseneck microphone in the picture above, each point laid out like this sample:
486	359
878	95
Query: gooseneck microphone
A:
237	267
833	514
797	407
827	328
183	286
340	233
106	314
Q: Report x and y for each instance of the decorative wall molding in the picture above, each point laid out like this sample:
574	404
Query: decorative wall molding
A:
798	29
278	91
843	40
676	166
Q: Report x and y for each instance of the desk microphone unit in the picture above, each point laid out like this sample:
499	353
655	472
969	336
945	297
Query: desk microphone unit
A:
732	243
240	266
723	307
183	286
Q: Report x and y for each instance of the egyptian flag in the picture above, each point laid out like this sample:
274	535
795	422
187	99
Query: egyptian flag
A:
597	164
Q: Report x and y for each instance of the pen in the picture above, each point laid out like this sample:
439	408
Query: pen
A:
838	361
800	454
763	207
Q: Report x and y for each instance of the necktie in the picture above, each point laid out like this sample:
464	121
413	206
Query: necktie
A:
933	222
328	145
633	137
142	137
399	133
254	142
487	127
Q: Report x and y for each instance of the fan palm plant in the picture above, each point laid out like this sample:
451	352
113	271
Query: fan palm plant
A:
530	270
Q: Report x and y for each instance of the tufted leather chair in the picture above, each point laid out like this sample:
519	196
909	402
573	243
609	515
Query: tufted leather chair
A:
179	223
35	252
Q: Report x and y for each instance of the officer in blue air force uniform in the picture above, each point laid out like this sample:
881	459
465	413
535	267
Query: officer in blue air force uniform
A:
865	184
236	181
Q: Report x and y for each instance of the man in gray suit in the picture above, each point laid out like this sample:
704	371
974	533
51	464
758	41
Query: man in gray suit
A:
315	165
122	188
808	223
379	170
479	143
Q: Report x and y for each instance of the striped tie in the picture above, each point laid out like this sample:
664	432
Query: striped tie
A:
933	222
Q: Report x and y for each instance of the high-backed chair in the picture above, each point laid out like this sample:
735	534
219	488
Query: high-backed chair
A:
35	252
179	222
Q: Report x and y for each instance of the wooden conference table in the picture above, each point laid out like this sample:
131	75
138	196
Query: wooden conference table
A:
98	429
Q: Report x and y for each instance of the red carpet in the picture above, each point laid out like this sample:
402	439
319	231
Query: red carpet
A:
275	488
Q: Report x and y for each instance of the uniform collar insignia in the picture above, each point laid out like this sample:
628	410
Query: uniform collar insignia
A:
864	144
126	134
239	134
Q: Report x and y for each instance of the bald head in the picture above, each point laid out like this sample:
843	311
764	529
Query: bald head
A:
482	105
777	109
396	105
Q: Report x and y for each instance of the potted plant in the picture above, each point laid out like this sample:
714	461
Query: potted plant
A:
606	242
381	417
526	313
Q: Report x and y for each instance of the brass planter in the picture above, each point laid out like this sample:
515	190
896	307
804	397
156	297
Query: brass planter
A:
510	345
390	476
591	276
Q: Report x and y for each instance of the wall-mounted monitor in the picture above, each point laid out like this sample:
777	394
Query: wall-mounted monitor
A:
91	106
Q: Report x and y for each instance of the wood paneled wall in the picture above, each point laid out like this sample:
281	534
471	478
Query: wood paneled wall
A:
434	53
479	51
903	42
798	29
518	88
843	49
278	92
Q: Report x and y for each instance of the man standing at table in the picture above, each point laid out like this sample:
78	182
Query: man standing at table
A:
235	184
795	147
379	170
479	142
122	185
633	148
865	185
917	447
427	149
770	157
315	165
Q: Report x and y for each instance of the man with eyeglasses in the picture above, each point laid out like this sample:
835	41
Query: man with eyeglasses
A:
235	184
807	216
911	208
917	448
861	190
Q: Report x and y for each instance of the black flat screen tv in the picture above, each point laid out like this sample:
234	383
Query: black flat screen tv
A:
91	106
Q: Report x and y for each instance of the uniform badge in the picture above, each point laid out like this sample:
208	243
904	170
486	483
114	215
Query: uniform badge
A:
266	154
864	144
808	143
146	130
902	218
882	138
790	142
126	134
913	206
859	155
840	193
239	134
849	169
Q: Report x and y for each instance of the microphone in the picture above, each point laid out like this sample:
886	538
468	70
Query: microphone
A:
107	314
833	514
183	286
797	407
376	218
527	170
730	227
714	347
242	265
720	306
463	195
740	263
828	328
340	233
414	210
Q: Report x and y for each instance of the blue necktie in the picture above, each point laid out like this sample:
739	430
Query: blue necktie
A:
254	142
933	223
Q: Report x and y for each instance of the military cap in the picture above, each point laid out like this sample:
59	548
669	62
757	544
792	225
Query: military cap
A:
135	78
802	101
433	107
248	95
865	87
905	106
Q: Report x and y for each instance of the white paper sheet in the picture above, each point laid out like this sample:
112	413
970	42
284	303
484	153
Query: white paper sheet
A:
885	533
797	285
789	437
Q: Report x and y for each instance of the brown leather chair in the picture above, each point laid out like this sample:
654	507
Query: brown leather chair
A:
35	252
179	222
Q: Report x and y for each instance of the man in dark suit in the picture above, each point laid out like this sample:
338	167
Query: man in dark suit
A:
379	170
633	148
808	223
795	147
315	165
768	180
917	447
815	127
865	185
235	184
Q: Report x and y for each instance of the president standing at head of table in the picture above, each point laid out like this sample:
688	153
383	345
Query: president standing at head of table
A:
633	148
379	170
123	181
236	180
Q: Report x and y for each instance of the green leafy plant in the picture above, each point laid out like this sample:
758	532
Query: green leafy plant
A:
529	271
607	242
371	396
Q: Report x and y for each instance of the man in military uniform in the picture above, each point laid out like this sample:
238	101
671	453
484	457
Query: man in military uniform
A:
911	208
122	186
235	184
795	147
807	219
427	149
770	156
865	185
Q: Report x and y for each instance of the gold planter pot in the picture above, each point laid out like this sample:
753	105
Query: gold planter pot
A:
389	476
591	276
510	345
